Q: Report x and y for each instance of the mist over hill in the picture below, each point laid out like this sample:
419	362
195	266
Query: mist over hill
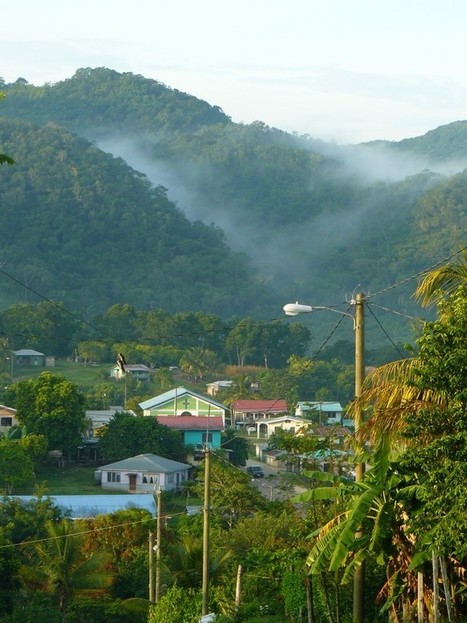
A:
317	220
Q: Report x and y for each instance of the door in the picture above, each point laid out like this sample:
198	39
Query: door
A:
132	482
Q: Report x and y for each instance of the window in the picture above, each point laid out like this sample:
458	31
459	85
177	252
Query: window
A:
113	477
207	437
6	421
170	477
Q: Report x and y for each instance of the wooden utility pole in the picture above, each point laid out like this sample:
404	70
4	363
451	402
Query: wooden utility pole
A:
359	577
207	503
151	566
158	545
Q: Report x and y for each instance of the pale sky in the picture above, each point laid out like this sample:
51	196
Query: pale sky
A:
338	70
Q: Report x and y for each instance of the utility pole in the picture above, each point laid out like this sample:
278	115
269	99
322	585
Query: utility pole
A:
359	577
151	567
207	503
295	309
158	545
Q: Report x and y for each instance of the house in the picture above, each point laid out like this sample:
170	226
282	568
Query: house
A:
143	473
137	371
7	419
266	427
245	413
97	418
28	358
216	386
321	412
200	419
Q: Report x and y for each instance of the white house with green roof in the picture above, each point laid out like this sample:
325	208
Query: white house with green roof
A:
200	419
143	474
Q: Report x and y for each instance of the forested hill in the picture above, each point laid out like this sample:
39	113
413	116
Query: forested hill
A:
317	220
80	226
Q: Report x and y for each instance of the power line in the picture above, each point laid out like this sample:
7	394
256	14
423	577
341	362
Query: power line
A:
419	274
386	334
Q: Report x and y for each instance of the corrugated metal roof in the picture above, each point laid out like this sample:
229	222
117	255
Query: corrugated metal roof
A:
26	352
270	406
178	392
325	407
147	463
80	506
189	422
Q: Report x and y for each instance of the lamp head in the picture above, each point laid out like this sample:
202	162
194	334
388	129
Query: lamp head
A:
295	309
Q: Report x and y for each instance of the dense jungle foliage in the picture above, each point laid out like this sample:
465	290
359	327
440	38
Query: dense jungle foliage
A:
312	220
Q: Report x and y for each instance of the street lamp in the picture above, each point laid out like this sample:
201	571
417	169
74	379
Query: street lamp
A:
295	309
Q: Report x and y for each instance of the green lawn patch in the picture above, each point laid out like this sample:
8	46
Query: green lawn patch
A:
68	480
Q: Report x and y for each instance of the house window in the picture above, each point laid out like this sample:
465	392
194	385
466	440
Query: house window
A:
6	421
170	478
207	437
113	477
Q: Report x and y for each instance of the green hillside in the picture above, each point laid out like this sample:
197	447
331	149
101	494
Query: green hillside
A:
315	220
84	228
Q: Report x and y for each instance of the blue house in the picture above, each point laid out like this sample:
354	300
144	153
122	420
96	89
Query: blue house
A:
200	419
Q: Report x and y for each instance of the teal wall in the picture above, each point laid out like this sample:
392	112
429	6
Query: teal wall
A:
194	437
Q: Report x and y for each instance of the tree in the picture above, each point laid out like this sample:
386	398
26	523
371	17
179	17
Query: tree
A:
422	404
185	561
4	159
177	605
370	524
197	361
126	435
442	281
16	468
238	446
51	406
231	497
59	567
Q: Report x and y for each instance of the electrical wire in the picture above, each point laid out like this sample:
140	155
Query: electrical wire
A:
403	356
419	274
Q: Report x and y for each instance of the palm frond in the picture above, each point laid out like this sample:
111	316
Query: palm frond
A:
321	553
390	393
442	281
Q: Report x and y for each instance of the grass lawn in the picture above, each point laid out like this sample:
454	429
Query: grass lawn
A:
78	373
68	480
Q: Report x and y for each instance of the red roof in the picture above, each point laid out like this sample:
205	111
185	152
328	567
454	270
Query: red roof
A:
260	406
190	422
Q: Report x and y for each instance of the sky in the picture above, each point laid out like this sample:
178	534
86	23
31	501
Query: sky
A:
345	71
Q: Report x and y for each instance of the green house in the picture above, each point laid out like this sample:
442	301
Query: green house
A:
200	419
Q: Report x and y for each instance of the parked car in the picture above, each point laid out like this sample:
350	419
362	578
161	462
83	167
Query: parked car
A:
255	470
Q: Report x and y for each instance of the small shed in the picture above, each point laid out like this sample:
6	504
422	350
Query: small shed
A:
29	358
217	386
143	473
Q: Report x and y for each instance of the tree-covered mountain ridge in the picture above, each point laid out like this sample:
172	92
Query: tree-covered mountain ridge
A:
317	219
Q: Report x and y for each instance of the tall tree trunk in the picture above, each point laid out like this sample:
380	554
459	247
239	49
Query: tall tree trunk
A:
238	587
447	586
420	597
434	559
309	598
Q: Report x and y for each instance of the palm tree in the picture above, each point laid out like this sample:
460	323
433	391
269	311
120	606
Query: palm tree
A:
185	561
370	524
197	361
391	391
442	281
58	566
